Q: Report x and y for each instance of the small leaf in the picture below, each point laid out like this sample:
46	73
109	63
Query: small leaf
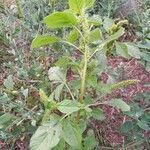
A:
116	35
120	104
95	20
72	134
90	141
76	5
108	23
60	19
46	137
55	74
97	113
68	106
127	126
8	83
42	40
6	120
57	91
134	51
89	3
43	96
63	62
73	36
95	35
144	125
122	49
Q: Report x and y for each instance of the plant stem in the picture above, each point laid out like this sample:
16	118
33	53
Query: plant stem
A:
83	77
84	45
19	8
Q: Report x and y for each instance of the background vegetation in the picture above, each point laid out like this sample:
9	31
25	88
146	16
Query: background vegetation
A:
24	71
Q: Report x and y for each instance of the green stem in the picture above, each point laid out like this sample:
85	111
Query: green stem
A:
83	77
84	45
19	8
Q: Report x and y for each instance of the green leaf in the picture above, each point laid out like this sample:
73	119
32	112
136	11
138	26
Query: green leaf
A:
76	5
57	91
90	141
120	104
6	120
116	35
46	137
72	134
147	66
73	36
95	35
55	74
43	96
122	50
61	145
144	125
63	62
89	3
68	106
95	20
60	19
108	23
8	83
42	40
127	126
134	51
97	113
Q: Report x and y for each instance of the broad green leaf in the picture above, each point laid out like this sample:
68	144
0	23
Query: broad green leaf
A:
42	40
68	106
55	74
144	125
134	51
8	83
90	141
122	49
97	113
89	3
73	36
108	23
120	104
60	19
72	134
95	35
46	137
76	5
5	120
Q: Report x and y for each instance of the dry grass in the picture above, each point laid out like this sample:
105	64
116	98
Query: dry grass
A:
8	3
